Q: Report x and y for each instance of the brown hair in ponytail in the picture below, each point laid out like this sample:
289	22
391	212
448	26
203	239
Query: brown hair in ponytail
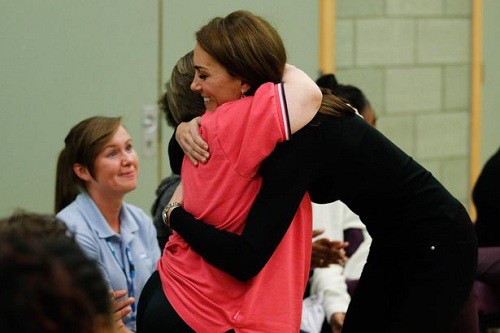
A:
82	145
332	105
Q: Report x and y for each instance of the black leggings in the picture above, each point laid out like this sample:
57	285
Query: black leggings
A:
414	289
154	312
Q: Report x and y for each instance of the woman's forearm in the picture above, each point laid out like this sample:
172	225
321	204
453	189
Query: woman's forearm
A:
175	155
243	256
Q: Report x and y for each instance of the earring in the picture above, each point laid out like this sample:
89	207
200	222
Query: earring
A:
242	95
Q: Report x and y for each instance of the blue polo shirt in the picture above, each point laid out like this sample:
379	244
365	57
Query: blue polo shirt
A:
97	240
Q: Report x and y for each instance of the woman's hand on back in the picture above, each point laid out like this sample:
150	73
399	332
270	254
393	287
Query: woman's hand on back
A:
191	142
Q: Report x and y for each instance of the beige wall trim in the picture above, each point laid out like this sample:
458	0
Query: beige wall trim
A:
476	96
327	36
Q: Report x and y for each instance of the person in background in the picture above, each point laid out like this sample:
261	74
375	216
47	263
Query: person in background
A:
179	104
39	292
96	169
40	227
332	283
48	284
351	95
485	298
486	197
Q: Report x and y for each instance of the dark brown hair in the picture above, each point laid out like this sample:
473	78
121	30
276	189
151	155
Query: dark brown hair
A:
48	283
31	225
332	105
247	46
50	286
348	93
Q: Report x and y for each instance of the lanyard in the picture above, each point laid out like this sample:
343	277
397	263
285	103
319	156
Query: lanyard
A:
130	282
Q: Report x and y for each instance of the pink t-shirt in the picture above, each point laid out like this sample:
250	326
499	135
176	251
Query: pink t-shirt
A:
241	134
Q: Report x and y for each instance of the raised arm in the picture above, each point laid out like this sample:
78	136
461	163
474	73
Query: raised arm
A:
303	99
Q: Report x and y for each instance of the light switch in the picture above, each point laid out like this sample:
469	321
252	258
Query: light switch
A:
149	130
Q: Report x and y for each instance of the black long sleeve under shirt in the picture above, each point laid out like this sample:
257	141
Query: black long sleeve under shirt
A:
334	159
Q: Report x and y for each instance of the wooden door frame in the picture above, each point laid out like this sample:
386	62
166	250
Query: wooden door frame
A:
476	71
326	52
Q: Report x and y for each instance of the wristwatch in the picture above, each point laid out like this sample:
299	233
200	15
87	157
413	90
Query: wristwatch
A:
164	213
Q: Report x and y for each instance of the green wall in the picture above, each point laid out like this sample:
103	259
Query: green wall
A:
490	140
66	60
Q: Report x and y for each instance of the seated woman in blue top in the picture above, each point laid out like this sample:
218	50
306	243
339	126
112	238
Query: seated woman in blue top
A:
95	170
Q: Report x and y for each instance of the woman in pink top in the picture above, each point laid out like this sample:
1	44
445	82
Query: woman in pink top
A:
239	63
